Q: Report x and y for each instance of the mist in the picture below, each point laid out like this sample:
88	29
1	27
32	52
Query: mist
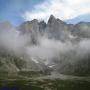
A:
47	50
12	41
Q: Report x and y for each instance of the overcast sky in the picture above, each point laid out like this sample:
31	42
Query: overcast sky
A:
18	11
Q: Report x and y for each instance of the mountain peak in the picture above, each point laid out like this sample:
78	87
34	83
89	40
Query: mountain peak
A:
52	16
51	19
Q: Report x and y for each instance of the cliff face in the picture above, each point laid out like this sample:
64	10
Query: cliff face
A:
53	31
70	62
55	28
10	64
13	47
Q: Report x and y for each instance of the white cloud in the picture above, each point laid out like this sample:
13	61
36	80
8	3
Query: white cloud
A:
63	9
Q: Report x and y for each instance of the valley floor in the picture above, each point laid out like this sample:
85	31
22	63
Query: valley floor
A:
50	82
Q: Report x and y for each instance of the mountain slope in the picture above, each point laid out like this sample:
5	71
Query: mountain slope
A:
41	46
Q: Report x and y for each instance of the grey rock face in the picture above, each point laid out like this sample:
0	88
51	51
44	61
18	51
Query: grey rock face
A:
10	64
59	30
53	29
42	26
31	28
83	29
13	63
56	28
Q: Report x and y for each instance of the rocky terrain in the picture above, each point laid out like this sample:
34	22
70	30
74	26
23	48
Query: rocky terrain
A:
54	46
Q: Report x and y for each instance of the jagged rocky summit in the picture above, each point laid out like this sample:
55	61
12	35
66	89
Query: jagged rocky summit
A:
53	29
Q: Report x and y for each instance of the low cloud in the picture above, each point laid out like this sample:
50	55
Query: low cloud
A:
46	50
63	9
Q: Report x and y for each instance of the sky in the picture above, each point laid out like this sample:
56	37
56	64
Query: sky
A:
17	11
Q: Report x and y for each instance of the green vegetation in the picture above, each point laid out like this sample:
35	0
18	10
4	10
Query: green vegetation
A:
45	84
11	78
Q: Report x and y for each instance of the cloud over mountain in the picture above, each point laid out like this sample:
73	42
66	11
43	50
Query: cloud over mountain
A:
63	9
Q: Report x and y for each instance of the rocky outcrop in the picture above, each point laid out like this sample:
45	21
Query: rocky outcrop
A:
53	29
10	64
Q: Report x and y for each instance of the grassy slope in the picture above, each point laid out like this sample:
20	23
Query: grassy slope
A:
44	84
